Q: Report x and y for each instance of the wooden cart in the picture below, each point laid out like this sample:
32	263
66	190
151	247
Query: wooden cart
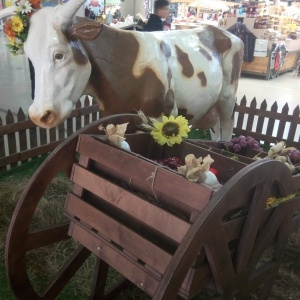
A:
168	236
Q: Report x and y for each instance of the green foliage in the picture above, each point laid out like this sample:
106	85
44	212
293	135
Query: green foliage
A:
202	134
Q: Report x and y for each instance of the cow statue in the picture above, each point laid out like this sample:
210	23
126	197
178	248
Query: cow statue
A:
191	72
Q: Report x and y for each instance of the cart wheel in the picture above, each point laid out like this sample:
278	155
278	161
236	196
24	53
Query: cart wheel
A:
236	274
20	240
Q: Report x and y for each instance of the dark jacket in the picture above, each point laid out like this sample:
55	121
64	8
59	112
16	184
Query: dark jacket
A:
154	23
241	31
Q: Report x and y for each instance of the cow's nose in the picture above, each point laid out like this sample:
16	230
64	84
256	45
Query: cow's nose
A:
48	117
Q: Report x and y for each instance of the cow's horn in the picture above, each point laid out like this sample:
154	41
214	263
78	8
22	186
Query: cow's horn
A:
67	11
7	12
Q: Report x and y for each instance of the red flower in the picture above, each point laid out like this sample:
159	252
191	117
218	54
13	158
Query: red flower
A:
8	30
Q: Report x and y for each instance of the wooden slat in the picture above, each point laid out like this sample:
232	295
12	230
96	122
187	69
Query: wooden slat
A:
86	104
271	122
263	112
11	128
61	131
22	133
241	115
265	138
151	178
21	156
120	234
261	119
129	268
78	118
69	126
130	203
282	124
43	136
259	65
11	138
250	120
293	126
52	134
33	137
226	167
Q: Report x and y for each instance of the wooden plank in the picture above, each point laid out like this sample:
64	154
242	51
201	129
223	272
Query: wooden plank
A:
69	126
282	124
11	138
43	136
14	127
52	134
226	167
21	156
241	115
113	256
222	151
265	138
152	178
61	131
261	119
293	126
258	65
33	137
271	122
130	203
22	133
250	120
136	244
86	104
78	118
289	62
263	112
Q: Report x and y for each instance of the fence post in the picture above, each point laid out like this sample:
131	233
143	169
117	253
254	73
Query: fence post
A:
22	133
12	149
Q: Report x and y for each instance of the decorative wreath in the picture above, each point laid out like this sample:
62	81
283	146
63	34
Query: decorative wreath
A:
17	26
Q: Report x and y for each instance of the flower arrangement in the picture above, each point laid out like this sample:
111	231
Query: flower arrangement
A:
170	131
17	26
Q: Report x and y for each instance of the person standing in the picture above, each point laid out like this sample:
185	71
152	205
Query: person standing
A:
222	21
109	17
161	11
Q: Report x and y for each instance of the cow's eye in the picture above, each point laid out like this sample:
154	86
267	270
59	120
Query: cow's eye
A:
58	56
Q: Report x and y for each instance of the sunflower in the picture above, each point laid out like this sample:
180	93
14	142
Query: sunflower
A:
171	131
17	24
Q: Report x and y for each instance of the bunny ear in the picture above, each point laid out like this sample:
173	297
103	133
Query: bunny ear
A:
7	12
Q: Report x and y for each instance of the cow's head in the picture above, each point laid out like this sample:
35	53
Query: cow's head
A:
62	68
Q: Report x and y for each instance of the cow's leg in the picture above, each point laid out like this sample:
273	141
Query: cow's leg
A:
232	62
226	103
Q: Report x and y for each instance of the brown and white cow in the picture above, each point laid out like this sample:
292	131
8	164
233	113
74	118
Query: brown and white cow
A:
192	72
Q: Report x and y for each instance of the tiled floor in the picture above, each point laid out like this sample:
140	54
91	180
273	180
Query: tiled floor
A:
15	85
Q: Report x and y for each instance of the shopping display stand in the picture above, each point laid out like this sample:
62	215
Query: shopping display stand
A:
167	235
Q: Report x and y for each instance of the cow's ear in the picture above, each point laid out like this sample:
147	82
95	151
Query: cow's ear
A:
85	31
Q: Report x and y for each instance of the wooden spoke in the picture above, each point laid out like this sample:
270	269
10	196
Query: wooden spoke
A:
66	273
46	236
